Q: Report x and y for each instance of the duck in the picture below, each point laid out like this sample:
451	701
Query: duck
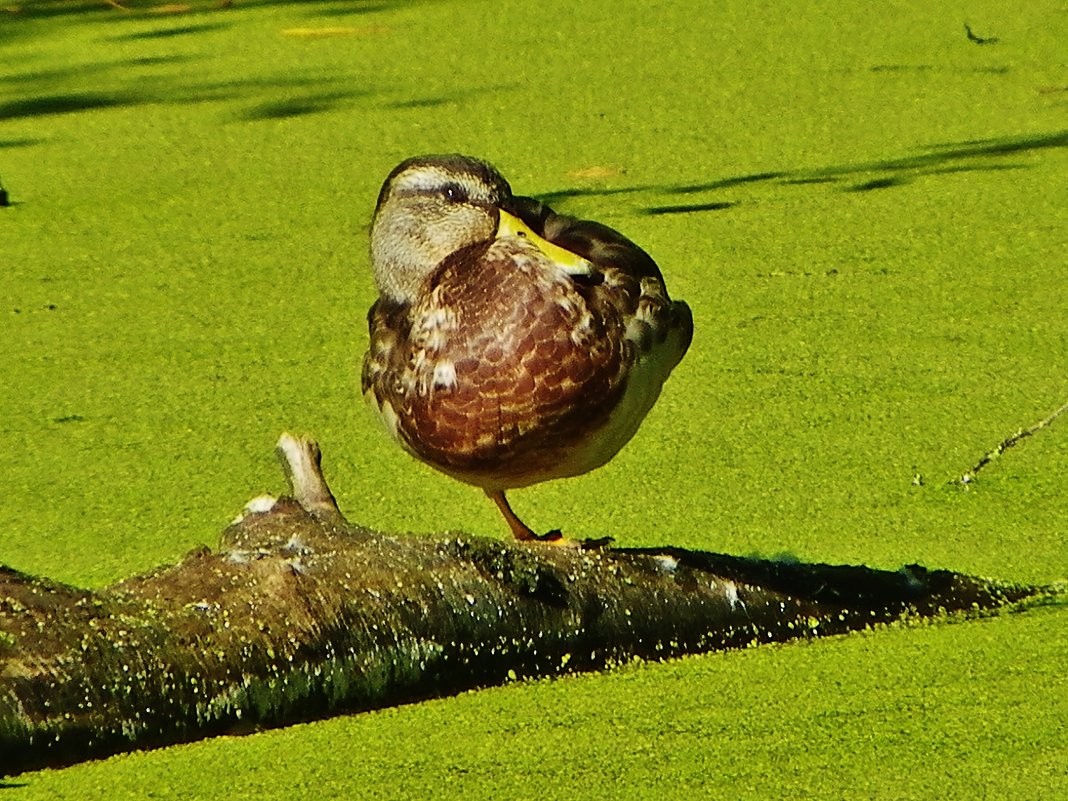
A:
509	345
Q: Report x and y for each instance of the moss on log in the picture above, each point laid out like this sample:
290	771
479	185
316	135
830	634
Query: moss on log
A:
300	614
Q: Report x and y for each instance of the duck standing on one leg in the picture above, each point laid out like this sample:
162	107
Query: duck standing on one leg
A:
509	344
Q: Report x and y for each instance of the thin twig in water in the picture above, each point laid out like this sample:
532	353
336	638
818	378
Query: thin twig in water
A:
1005	444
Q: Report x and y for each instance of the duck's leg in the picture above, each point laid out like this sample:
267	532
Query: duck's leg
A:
520	530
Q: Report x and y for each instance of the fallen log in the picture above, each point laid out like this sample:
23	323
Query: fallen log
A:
300	614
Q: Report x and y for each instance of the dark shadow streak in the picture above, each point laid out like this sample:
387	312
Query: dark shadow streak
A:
949	170
998	146
946	158
39	80
428	102
284	109
293	107
684	208
94	11
877	183
901	68
167	33
25	142
930	68
64	9
726	183
564	194
351	9
452	97
949	153
44	77
64	104
802	181
152	61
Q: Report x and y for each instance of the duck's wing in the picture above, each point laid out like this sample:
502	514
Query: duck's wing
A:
389	326
629	278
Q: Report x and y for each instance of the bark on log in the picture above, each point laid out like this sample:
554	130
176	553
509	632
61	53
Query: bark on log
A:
300	614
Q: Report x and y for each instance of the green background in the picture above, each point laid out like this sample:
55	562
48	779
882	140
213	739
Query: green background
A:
865	210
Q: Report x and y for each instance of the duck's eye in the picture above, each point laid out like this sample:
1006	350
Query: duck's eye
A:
454	193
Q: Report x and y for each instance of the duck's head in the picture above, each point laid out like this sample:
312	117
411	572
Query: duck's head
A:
430	207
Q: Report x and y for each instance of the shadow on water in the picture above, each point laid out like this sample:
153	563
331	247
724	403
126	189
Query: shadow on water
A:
977	155
421	102
688	207
727	183
102	11
160	76
63	104
349	9
877	183
295	106
170	79
169	33
46	9
20	142
453	97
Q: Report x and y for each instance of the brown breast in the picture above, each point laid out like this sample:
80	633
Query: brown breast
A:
501	368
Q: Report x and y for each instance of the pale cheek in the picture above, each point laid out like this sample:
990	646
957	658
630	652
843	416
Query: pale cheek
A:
465	226
409	242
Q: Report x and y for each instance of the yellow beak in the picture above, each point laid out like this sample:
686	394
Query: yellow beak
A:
571	263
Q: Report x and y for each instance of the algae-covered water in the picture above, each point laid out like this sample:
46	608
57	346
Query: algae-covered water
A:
865	207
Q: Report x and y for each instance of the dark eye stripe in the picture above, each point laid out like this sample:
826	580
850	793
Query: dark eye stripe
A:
454	193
